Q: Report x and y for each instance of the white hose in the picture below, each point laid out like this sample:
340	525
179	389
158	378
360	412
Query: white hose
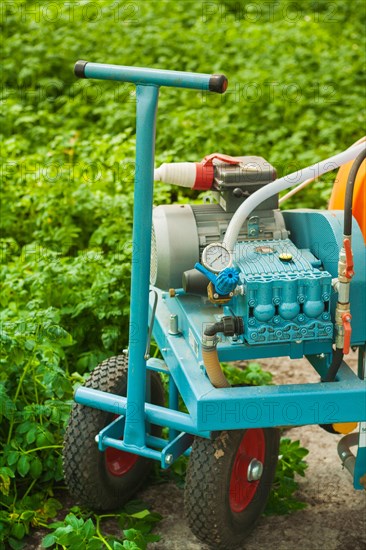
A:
280	184
306	183
295	190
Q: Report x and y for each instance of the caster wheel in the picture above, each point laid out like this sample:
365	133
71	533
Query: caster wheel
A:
228	482
104	480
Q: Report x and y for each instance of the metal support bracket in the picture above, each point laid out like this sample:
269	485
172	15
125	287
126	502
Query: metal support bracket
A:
175	449
111	436
114	430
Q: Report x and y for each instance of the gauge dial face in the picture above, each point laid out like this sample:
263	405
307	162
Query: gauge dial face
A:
216	257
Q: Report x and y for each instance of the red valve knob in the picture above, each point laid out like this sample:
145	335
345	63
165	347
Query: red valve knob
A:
346	321
349	259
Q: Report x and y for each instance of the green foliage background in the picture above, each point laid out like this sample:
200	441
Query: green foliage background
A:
296	95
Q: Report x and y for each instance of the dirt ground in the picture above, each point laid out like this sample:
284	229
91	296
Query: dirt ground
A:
335	518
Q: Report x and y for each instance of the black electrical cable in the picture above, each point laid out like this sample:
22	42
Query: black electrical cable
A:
348	201
337	359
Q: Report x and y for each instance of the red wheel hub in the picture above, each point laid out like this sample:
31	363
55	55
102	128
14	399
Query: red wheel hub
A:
119	462
242	491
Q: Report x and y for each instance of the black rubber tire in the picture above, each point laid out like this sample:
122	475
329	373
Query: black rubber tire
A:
85	471
207	504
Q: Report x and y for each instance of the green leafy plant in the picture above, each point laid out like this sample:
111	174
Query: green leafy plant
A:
291	462
252	375
81	529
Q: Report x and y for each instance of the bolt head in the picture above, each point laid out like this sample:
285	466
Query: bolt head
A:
169	459
255	470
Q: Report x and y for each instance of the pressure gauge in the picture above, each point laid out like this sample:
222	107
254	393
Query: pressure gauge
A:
215	257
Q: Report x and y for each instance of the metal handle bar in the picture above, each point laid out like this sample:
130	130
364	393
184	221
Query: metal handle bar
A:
139	75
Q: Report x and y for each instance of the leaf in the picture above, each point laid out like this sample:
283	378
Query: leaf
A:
51	507
29	345
5	480
15	544
25	427
89	528
27	515
23	465
134	506
31	435
36	468
131	545
141	515
75	522
48	540
18	530
12	457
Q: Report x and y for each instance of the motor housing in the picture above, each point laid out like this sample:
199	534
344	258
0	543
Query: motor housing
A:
181	232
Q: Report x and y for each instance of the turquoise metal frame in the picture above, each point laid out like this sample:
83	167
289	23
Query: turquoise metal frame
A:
209	409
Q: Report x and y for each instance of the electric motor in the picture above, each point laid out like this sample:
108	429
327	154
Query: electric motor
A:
181	232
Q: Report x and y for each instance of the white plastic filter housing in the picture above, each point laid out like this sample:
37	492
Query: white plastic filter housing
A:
280	184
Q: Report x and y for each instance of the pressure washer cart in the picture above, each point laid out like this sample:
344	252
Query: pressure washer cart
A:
227	280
